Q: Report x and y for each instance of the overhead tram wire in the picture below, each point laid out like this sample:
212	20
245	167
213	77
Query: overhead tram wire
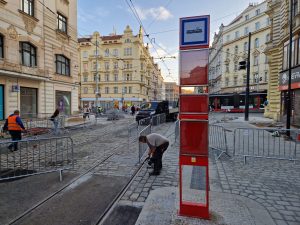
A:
146	34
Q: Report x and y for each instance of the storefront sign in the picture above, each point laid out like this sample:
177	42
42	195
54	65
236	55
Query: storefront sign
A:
284	79
194	32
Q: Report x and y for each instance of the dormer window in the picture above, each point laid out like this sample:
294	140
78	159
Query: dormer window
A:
28	7
127	40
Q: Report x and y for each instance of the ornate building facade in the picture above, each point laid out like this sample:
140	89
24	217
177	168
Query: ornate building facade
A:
126	72
278	50
38	57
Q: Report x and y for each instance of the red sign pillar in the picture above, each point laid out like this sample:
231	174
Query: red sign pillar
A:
193	115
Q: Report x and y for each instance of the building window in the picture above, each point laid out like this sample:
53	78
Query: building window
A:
106	90
85	78
95	77
295	7
127	51
236	50
237	34
106	52
128	77
115	52
115	65
84	54
107	77
142	66
227	53
257	12
226	81
28	54
61	23
247	17
285	56
85	67
245	79
228	37
85	90
130	90
227	68
28	7
255	78
127	40
246	31
96	52
266	77
1	46
106	65
116	77
124	90
236	66
245	46
62	65
267	37
266	59
235	79
256	43
115	90
255	63
268	21
257	25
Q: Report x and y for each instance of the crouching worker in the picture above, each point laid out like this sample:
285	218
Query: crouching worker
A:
157	144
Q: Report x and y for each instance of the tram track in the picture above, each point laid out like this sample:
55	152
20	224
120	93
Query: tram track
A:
96	164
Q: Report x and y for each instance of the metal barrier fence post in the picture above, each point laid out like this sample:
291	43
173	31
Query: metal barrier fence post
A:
269	143
35	156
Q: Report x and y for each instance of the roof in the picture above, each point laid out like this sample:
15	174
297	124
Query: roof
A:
113	37
85	39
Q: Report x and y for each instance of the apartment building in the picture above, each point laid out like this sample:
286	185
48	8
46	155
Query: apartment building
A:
278	51
121	66
38	57
232	49
172	91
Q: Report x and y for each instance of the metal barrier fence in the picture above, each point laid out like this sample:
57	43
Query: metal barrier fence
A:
158	119
35	156
133	132
266	143
177	130
143	146
218	140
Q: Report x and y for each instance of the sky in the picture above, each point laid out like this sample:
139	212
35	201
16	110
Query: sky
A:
160	18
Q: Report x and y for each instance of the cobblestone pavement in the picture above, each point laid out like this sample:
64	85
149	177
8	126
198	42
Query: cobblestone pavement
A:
143	184
272	183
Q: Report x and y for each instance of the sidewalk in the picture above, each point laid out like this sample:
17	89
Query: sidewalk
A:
260	192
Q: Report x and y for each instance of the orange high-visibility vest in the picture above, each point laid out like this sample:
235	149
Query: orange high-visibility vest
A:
12	123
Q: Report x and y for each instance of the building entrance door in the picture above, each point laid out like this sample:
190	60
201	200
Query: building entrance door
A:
28	100
1	102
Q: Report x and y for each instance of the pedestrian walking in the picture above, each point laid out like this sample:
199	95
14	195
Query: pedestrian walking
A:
15	126
132	110
157	144
86	112
54	118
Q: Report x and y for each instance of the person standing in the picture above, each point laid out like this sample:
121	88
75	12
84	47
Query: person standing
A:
157	144
86	112
15	127
132	110
54	119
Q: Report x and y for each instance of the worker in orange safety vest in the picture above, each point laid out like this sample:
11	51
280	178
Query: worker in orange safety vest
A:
15	127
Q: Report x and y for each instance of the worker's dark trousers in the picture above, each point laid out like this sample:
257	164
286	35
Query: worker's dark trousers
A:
157	156
16	135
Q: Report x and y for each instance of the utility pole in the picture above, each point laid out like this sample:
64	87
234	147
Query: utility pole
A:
289	105
248	81
97	76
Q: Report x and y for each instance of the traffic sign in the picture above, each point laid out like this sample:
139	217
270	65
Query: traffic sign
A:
194	32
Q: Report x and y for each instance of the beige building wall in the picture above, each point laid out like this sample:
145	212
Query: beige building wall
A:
172	91
235	48
40	30
127	73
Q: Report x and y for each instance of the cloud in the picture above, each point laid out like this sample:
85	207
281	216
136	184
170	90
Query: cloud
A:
159	13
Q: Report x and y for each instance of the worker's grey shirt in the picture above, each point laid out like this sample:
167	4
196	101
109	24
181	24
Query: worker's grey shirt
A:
156	139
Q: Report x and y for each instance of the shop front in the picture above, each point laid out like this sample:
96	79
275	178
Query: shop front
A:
28	102
295	95
1	102
63	102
